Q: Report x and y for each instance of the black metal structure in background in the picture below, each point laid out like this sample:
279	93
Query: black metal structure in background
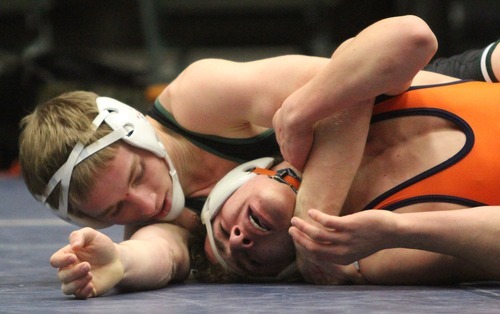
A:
44	42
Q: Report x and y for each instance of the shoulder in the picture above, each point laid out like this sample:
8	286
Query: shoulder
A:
199	93
228	98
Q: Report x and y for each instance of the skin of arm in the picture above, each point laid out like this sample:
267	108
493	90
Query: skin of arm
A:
154	256
475	229
450	258
383	58
247	93
468	238
92	264
393	247
344	92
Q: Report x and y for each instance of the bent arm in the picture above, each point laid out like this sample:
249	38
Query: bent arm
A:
382	59
440	246
337	104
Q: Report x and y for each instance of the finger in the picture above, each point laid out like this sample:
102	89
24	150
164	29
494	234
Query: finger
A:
86	292
284	152
296	235
62	259
300	163
73	287
313	231
303	242
313	250
289	151
313	274
76	240
81	238
328	221
76	272
300	150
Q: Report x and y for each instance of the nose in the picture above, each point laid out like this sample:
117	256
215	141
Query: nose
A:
238	240
141	200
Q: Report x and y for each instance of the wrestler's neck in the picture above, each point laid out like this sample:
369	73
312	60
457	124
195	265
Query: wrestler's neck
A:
198	170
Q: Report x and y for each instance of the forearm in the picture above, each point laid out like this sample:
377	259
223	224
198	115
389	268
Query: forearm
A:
406	266
374	62
469	234
339	142
152	258
448	245
381	59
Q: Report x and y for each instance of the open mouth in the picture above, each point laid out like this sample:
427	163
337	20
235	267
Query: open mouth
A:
258	222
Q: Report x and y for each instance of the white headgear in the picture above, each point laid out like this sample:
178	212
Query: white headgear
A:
129	125
224	189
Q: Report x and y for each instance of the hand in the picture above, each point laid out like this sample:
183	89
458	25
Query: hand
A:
295	138
321	271
89	266
344	240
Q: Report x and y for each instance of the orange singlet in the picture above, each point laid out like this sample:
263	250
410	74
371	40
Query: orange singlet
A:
472	176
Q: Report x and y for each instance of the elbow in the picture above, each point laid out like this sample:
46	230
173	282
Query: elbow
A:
419	37
416	44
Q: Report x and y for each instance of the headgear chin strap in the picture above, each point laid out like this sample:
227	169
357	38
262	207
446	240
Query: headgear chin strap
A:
129	125
229	184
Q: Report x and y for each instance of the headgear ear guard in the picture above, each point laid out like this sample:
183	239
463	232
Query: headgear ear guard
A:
225	188
127	124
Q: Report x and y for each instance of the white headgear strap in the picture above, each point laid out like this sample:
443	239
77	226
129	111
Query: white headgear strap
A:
129	125
219	195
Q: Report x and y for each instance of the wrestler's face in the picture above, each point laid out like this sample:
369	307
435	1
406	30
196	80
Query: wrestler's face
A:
251	229
135	187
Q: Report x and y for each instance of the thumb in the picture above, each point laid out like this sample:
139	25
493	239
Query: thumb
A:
81	238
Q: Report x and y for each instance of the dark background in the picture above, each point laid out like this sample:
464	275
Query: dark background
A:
120	47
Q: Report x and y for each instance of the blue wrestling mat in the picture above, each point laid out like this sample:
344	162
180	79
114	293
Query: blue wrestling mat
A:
30	234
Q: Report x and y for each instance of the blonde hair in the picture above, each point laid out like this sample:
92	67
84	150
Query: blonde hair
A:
48	136
204	271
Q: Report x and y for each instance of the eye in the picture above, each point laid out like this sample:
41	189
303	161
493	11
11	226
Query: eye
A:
139	174
255	263
224	231
117	210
